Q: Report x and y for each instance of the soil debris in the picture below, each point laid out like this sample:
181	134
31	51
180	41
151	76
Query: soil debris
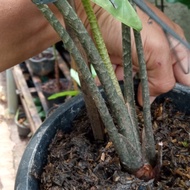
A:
75	161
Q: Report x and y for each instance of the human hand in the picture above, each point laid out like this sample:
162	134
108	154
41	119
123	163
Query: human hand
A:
167	60
32	34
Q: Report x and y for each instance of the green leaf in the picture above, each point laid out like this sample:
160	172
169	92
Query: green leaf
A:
37	101
94	74
185	144
185	2
62	94
123	11
75	76
39	108
42	114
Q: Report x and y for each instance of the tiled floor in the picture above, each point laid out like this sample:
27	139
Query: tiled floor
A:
11	146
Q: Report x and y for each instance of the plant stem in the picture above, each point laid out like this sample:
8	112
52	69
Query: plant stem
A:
100	43
129	155
56	68
92	111
148	140
128	75
115	101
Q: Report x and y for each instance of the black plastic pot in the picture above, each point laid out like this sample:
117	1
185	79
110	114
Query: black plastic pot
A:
23	128
35	155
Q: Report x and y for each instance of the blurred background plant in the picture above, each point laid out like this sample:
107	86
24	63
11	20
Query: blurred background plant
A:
185	2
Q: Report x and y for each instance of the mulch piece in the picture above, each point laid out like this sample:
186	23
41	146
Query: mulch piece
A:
76	162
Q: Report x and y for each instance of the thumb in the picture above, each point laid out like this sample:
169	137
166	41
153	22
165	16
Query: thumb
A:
183	76
140	96
181	61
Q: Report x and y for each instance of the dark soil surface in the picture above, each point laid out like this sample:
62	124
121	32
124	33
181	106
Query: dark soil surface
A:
76	162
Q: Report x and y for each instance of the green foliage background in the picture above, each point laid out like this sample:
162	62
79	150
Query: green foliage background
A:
185	2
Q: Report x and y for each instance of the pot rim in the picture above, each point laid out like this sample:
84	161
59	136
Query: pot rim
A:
33	160
34	156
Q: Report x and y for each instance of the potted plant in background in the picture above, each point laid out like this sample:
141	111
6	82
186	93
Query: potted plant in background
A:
185	2
43	63
22	123
51	81
137	154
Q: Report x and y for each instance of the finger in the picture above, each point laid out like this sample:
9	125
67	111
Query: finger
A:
140	99
181	62
160	75
181	76
156	87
